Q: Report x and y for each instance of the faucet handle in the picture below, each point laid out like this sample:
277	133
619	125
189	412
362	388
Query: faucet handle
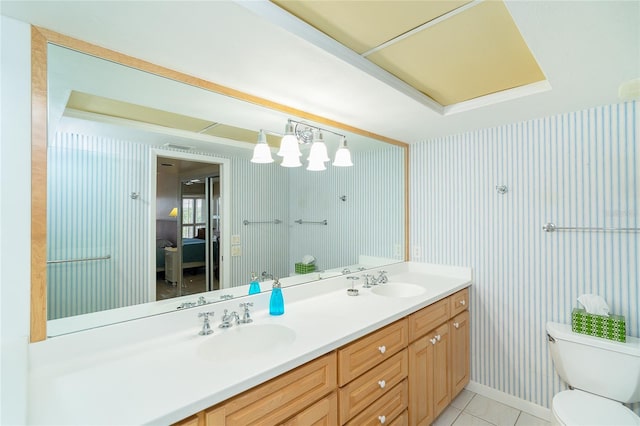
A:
367	282
246	316
206	327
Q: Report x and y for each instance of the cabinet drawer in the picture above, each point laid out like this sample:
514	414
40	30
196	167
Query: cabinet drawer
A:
364	390
426	319
284	396
385	409
322	413
367	352
401	420
459	302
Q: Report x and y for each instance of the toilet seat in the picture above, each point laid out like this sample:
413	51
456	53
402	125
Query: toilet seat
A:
576	407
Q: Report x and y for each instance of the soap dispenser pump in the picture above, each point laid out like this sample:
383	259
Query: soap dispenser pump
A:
276	303
254	286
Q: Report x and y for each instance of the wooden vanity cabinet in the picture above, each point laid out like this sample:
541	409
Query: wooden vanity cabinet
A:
439	358
406	373
460	351
299	392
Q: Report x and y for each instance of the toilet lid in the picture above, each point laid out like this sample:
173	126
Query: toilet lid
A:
575	407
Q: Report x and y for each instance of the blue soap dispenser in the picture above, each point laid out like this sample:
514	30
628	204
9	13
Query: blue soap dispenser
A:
254	286
276	303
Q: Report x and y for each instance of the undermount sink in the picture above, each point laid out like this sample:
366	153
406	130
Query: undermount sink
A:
398	290
244	340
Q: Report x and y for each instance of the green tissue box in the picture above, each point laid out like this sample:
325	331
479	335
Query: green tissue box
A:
302	268
610	327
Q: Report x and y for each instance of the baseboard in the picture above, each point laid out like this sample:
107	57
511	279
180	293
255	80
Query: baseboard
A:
513	401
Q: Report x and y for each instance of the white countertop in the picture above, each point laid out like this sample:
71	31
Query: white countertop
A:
153	371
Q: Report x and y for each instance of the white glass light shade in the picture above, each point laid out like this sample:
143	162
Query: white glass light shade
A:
343	155
291	160
318	149
261	152
289	143
343	158
316	166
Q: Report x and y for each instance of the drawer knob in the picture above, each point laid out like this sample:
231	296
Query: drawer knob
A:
456	324
438	337
463	302
382	419
382	384
382	349
433	341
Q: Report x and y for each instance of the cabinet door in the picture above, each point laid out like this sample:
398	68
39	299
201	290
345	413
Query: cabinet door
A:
440	340
421	382
459	353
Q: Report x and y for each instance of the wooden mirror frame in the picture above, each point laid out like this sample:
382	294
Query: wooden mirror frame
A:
40	38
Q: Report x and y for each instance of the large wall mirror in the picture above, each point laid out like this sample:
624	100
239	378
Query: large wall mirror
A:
145	199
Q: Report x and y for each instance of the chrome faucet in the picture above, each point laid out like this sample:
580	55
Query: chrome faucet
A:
265	275
184	305
367	281
346	271
206	327
246	316
227	318
202	300
382	277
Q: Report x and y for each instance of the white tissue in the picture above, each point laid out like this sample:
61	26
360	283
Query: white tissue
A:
307	259
594	304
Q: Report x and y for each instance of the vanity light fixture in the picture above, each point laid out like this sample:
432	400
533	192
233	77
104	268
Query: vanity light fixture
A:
304	133
261	152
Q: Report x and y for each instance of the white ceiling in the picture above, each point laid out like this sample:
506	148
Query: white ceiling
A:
585	48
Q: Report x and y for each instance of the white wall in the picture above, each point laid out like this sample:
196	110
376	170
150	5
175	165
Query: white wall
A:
575	169
15	205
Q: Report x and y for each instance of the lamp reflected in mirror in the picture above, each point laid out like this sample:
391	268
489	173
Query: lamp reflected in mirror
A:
173	212
289	147
343	155
262	152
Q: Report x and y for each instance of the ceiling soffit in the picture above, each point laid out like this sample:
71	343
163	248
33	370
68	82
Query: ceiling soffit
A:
451	51
84	102
364	25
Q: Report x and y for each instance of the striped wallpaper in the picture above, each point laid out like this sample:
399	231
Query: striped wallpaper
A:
575	169
371	220
90	214
259	194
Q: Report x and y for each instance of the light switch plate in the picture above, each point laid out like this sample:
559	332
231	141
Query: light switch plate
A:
236	250
235	239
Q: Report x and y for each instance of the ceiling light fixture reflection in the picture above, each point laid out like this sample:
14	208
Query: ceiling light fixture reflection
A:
343	155
303	134
262	152
289	143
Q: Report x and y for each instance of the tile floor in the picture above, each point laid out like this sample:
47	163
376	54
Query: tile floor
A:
471	409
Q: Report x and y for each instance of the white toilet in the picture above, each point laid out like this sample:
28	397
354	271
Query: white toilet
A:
602	373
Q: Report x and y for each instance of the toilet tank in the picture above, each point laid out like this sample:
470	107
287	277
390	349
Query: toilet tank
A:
599	366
